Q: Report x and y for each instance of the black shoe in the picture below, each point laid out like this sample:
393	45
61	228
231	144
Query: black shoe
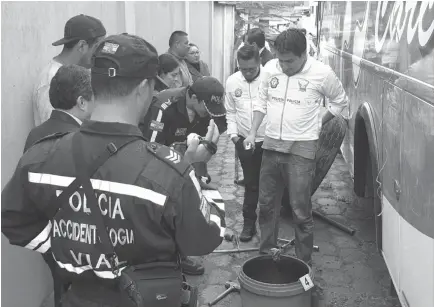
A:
249	230
191	267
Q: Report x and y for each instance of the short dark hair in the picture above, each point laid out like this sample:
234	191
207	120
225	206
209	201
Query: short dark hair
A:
69	83
248	52
105	86
257	36
90	42
175	36
292	40
168	63
193	45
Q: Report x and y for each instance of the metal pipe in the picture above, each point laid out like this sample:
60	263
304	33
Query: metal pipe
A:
253	249
338	225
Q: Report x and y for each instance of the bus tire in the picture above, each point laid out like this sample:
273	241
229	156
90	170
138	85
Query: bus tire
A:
366	166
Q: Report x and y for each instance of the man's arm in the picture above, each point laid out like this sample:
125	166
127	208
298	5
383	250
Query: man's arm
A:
154	126
260	105
21	222
231	112
199	225
43	107
333	90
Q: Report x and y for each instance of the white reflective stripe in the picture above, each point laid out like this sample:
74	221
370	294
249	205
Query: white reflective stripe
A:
44	247
214	197
217	220
41	237
213	194
196	183
78	270
154	134
102	185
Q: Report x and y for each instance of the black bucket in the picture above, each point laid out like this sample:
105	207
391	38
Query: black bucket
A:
265	282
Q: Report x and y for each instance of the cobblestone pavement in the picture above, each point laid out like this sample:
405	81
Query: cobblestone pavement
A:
348	269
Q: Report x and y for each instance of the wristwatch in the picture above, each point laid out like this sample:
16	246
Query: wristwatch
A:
210	146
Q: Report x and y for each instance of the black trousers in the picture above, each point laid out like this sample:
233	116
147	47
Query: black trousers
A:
251	165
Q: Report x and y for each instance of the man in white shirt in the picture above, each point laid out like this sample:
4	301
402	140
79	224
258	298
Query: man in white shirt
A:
292	89
81	36
241	92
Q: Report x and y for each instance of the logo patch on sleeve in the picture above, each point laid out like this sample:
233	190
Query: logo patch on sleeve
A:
274	82
181	131
156	126
238	92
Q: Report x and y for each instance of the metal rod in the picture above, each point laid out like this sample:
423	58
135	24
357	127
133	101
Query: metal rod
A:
253	249
241	250
338	225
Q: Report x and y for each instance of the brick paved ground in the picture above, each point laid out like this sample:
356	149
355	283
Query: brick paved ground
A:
348	270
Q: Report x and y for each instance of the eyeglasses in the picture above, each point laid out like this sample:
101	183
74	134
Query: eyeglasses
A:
194	53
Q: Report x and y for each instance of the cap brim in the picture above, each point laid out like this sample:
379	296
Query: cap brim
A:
161	80
215	110
63	41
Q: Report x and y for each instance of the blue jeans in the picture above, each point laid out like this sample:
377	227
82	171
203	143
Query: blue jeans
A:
280	170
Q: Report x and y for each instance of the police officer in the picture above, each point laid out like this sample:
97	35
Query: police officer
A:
147	197
176	113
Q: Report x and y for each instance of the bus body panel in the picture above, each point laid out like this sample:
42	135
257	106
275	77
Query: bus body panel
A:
383	53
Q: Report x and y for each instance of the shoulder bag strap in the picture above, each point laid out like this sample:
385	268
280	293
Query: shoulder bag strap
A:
84	172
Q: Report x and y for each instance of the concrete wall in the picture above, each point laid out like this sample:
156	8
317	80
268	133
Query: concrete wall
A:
28	29
223	41
155	21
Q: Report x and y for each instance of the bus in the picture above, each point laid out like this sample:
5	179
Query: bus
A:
383	53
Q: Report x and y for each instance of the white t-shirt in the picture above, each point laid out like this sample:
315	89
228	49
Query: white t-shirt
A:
41	101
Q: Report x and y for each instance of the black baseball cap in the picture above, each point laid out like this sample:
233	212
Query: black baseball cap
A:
81	27
128	56
212	92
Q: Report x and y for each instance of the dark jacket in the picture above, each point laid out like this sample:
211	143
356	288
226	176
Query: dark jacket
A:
145	192
202	72
58	122
167	122
266	55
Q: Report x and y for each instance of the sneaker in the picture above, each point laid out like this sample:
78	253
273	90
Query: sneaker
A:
249	230
191	267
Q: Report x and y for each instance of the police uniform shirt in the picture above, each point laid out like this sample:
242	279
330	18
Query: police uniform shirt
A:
167	120
151	203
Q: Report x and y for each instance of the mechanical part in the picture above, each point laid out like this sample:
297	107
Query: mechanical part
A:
231	287
338	225
254	249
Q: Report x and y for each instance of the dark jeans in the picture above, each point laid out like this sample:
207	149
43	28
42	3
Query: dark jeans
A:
251	165
59	286
279	170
